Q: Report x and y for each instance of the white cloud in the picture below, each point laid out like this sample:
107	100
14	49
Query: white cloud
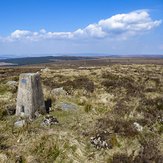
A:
119	26
21	34
128	24
42	31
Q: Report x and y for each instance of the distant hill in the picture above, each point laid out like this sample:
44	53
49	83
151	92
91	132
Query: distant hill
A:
10	61
39	60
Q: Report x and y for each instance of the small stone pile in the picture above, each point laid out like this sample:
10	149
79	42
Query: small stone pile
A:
49	120
100	142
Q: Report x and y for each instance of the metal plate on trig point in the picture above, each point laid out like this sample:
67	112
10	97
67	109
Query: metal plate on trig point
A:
24	81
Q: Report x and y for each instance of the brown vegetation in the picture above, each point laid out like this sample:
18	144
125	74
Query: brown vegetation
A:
121	104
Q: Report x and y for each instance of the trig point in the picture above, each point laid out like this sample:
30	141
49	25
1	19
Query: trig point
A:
30	96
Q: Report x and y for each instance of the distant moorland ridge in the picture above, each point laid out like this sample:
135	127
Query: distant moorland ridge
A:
11	61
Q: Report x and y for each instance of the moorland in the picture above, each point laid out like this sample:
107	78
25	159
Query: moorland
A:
114	115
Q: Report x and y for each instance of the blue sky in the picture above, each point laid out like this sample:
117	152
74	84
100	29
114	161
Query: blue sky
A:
43	27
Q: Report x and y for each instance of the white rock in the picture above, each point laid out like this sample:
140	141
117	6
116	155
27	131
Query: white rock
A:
59	92
20	123
138	126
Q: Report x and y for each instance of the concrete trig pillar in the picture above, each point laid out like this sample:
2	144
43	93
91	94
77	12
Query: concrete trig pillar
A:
30	96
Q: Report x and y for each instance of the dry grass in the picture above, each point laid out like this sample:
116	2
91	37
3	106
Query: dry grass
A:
109	100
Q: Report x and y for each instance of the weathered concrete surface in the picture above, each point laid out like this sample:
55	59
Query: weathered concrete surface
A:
30	96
